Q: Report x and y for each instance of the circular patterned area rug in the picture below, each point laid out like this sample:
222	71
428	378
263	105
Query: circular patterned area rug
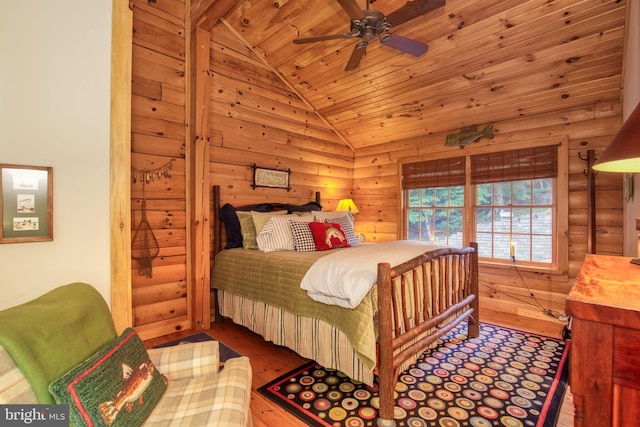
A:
503	378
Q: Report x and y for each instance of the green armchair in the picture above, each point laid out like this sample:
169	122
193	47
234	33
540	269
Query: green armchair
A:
50	345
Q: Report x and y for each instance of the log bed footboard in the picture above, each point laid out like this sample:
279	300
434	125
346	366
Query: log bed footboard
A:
418	302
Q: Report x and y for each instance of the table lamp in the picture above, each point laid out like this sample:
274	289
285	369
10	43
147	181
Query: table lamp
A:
347	205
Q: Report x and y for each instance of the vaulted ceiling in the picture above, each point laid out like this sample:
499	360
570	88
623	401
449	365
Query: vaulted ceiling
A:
487	60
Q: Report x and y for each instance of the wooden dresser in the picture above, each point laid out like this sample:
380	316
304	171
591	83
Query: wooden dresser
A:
605	355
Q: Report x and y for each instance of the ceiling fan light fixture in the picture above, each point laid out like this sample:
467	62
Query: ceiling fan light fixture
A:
369	34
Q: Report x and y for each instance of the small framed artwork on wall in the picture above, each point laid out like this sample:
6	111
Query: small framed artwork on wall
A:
26	203
274	178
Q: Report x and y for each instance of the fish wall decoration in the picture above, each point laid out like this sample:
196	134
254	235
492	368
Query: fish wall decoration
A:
468	136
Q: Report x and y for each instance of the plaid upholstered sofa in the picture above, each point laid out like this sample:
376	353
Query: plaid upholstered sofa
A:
63	348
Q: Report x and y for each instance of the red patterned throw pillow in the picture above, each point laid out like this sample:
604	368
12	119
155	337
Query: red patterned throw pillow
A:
117	386
328	235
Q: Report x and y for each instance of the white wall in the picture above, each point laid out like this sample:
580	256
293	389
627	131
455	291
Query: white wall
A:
631	97
54	111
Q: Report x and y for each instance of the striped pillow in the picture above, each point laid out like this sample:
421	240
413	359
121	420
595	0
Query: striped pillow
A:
302	237
276	234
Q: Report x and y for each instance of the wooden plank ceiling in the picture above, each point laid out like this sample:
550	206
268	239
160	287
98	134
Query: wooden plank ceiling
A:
487	60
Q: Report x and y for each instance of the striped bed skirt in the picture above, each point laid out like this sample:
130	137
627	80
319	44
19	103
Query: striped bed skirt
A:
309	337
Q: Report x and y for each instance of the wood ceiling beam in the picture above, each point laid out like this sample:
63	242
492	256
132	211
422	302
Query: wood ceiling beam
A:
205	13
292	88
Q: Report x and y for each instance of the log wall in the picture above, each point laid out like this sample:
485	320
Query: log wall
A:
161	303
256	119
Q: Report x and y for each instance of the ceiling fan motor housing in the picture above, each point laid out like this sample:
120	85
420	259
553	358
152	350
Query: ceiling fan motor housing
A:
371	26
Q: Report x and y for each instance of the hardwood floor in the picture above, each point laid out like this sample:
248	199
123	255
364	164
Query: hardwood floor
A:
269	361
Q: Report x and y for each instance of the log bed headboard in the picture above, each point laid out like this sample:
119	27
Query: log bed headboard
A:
217	222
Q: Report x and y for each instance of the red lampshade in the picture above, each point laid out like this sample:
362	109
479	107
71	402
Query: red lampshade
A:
623	153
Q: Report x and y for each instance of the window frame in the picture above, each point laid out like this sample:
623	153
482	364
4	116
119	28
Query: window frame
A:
560	222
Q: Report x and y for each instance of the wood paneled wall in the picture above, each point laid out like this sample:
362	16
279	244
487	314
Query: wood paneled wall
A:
254	118
376	192
161	303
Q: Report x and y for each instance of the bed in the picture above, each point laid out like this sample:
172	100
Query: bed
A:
420	292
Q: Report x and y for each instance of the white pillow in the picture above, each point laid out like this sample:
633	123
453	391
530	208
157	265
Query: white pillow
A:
322	216
345	219
276	234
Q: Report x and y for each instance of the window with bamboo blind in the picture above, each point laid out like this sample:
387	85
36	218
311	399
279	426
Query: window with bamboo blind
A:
510	199
434	194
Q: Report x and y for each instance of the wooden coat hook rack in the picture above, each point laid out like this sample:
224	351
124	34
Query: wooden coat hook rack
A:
591	199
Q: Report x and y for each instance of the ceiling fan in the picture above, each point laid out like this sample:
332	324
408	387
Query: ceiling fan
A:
369	23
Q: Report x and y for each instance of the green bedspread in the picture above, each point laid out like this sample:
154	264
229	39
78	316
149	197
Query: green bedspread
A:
274	278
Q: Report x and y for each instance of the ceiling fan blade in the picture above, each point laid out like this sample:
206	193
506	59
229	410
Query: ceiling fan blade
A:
321	38
352	9
412	10
357	54
404	44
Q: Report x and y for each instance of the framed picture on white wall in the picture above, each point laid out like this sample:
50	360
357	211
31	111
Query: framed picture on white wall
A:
26	203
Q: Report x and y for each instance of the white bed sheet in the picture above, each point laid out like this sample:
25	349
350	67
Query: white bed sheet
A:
344	277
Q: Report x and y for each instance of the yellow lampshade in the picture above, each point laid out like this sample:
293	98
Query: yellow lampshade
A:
623	153
347	205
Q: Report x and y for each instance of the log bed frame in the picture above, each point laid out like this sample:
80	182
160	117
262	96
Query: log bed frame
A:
450	290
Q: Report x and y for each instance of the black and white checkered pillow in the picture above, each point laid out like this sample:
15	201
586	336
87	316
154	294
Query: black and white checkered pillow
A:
302	237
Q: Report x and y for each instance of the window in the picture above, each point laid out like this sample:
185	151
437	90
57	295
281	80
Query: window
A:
435	213
506	201
514	220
